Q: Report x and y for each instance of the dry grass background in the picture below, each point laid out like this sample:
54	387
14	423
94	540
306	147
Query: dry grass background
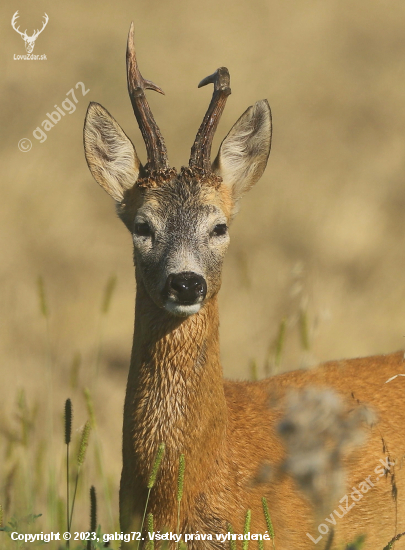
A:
323	232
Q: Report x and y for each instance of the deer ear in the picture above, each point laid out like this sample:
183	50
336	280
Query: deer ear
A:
110	155
243	154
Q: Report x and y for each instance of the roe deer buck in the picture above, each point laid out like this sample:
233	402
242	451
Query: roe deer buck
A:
176	393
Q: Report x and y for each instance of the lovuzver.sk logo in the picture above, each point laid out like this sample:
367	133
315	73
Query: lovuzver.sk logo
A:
29	40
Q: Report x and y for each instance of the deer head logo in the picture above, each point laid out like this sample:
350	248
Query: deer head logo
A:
29	40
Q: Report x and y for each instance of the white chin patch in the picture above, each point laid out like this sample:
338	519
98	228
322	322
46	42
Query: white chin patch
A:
182	310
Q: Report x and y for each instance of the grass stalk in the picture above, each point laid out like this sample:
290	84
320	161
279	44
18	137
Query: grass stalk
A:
152	480
74	370
93	509
254	376
99	454
232	543
104	309
81	455
151	543
44	310
304	330
269	523
246	529
180	486
93	514
68	435
280	343
330	538
275	351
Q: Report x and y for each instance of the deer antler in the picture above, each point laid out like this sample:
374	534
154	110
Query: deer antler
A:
13	22
201	149
38	32
155	145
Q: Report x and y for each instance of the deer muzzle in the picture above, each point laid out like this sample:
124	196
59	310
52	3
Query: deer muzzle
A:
184	292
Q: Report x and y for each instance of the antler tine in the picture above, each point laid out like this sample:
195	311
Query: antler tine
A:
155	146
201	149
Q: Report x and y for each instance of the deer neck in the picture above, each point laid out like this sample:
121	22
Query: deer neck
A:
175	389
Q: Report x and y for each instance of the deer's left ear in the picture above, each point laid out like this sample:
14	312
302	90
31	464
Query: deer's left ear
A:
243	154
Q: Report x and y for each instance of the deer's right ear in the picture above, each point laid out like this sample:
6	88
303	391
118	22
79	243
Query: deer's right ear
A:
243	154
110	154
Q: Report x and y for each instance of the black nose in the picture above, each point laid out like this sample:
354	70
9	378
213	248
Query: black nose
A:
187	287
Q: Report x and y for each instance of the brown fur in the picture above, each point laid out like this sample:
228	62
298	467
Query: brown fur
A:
176	394
228	431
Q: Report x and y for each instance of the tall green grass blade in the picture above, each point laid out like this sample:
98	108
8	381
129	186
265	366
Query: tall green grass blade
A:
156	465
81	455
180	487
267	517
232	543
93	515
151	543
43	302
68	436
246	529
253	371
152	479
108	294
51	491
74	370
84	443
304	330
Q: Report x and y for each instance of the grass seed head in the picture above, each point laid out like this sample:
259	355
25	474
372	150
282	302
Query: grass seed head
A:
43	304
246	529
68	421
93	509
156	465
84	442
269	523
90	407
108	294
180	481
232	543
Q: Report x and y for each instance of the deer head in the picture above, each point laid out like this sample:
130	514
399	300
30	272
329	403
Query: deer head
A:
29	40
178	221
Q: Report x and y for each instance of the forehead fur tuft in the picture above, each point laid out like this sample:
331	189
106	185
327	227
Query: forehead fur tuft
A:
203	177
156	178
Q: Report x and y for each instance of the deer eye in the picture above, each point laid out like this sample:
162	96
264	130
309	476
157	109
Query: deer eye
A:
219	229
143	229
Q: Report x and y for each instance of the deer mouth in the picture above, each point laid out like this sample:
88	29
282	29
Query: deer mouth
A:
182	310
